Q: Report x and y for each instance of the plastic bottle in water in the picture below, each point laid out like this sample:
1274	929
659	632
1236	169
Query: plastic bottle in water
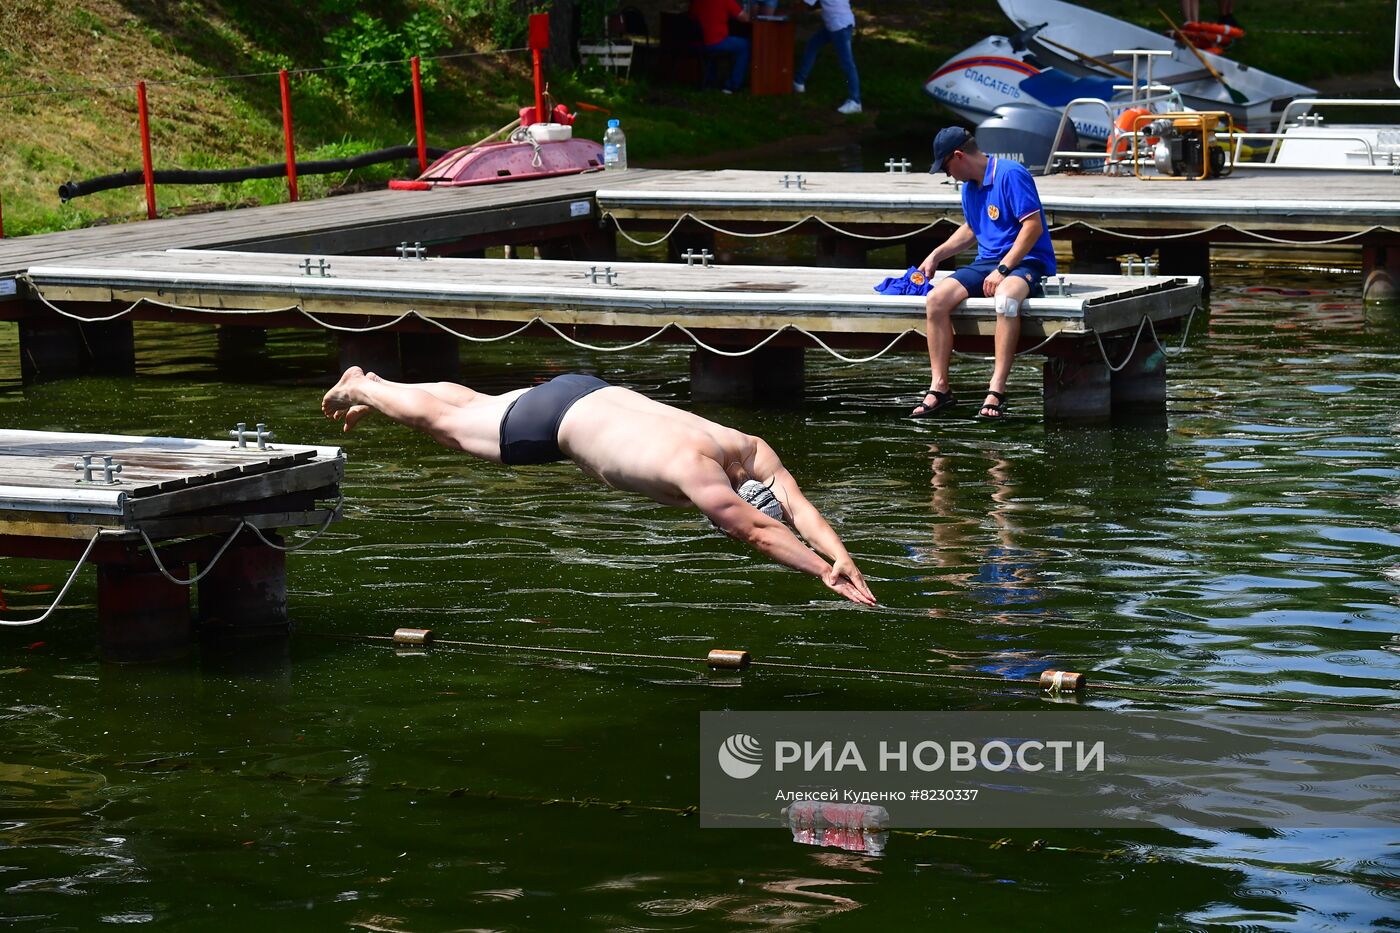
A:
614	148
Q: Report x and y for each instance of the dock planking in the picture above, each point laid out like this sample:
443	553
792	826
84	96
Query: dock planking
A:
1298	201
838	303
42	494
365	221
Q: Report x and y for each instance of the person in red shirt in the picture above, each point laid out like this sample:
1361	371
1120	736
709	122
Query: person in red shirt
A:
713	17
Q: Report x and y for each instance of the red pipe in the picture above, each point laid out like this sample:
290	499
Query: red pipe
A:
287	134
144	117
418	117
539	89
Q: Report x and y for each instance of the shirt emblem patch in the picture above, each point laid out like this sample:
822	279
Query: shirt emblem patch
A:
993	212
917	278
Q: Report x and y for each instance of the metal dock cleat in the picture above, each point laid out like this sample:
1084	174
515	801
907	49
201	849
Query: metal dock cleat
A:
322	268
897	168
593	275
794	181
704	256
416	251
260	434
108	468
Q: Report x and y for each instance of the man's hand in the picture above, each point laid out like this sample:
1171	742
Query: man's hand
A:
844	578
990	283
929	266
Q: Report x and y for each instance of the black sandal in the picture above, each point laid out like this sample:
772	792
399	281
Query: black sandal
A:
941	400
999	407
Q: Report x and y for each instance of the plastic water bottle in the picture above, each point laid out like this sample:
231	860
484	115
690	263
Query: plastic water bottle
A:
614	148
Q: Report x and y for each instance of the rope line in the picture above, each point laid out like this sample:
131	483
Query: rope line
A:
598	348
689	215
287	549
960	678
203	573
1131	350
1121	234
62	592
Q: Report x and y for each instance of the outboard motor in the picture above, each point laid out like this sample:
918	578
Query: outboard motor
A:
1024	134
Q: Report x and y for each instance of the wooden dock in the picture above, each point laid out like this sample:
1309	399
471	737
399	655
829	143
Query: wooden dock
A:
722	309
124	502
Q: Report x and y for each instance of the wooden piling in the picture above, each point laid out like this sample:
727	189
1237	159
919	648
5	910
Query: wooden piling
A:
768	376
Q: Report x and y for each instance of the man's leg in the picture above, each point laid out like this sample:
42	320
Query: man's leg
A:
809	55
841	42
1008	335
474	428
938	322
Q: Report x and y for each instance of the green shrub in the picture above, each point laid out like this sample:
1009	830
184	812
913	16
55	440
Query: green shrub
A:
374	54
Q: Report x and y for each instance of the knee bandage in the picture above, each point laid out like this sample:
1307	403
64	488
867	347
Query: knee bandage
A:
1007	305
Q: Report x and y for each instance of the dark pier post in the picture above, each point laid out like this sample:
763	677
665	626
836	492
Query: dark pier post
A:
842	252
56	348
1095	257
1141	385
1077	388
239	346
376	351
1380	263
141	616
429	357
1186	257
597	244
768	376
246	591
689	236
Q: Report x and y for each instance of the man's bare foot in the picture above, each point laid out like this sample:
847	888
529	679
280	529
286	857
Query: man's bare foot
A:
339	400
354	413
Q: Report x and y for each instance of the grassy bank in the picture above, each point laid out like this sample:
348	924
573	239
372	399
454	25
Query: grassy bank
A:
69	108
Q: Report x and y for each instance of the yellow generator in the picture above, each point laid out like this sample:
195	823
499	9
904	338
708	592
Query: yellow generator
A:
1184	146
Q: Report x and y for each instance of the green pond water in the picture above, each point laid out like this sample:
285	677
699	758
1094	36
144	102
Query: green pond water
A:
1241	544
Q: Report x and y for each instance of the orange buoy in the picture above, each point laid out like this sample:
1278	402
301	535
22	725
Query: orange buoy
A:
1120	140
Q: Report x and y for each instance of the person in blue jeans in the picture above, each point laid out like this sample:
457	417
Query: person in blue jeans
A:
838	26
713	17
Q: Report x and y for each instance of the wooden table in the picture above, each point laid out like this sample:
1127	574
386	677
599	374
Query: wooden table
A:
771	69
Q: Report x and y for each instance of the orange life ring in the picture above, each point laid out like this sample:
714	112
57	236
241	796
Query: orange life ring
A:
1120	141
1215	32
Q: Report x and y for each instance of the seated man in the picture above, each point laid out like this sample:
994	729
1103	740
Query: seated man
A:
626	441
1003	216
713	18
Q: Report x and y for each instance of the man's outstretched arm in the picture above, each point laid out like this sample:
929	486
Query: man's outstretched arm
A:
809	522
707	486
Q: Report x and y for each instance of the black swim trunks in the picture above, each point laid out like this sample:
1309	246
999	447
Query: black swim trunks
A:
530	426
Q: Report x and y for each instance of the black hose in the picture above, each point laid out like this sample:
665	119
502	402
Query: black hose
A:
179	176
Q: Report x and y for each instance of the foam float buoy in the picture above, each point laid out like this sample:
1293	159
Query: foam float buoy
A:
413	636
1062	681
724	659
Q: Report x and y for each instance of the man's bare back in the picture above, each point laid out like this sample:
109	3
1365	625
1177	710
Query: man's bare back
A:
631	443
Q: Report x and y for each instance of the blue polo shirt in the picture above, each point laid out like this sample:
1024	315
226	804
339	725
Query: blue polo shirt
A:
995	208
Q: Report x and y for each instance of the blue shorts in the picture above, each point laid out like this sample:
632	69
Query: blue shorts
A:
971	276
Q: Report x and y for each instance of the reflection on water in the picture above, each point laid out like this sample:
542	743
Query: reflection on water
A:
1247	544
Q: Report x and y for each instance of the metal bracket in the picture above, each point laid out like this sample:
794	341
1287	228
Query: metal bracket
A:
898	168
262	435
593	275
794	181
108	468
322	268
416	251
1061	287
704	256
1149	268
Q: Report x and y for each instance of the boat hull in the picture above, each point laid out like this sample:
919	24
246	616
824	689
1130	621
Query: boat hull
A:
492	163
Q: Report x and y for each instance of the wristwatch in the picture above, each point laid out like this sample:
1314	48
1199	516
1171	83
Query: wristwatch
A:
1002	270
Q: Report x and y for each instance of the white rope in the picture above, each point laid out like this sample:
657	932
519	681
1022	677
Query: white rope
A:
608	215
356	330
200	576
1186	332
1131	350
61	593
461	336
330	517
1127	235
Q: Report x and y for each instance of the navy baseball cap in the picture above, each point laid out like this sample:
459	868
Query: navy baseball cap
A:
949	140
